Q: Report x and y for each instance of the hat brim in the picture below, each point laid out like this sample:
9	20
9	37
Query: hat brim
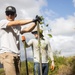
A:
10	11
34	32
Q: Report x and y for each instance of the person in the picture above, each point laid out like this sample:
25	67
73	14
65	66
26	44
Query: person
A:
10	30
46	52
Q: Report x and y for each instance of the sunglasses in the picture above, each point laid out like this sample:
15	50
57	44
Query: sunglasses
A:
10	13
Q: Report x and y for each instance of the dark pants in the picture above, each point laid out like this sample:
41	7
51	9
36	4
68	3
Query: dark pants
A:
44	69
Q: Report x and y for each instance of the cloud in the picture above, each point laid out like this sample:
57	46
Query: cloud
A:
63	31
48	13
63	42
62	26
25	8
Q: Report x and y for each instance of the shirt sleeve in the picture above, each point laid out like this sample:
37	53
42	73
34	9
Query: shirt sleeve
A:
50	53
3	23
30	43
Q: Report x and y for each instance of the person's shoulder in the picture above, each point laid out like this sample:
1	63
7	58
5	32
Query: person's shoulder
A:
32	39
4	20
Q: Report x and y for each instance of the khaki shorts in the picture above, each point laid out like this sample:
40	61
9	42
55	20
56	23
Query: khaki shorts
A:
11	63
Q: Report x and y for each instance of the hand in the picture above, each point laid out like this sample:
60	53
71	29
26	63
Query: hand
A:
37	18
52	65
23	38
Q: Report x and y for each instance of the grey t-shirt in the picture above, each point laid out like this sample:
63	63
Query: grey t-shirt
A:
9	37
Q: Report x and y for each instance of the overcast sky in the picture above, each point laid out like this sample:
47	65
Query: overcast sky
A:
59	14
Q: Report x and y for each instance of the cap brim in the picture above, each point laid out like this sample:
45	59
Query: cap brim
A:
34	32
10	11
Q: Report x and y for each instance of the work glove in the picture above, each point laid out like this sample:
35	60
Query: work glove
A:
52	66
37	18
23	38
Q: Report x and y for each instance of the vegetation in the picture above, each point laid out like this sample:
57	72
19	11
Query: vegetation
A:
63	66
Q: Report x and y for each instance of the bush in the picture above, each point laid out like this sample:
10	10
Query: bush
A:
63	66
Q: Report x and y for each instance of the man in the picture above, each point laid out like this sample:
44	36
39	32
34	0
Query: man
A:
10	30
45	53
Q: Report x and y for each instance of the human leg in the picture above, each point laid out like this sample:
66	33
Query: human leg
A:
36	69
9	64
44	68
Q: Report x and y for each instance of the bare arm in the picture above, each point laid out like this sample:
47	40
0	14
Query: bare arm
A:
28	29
19	22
